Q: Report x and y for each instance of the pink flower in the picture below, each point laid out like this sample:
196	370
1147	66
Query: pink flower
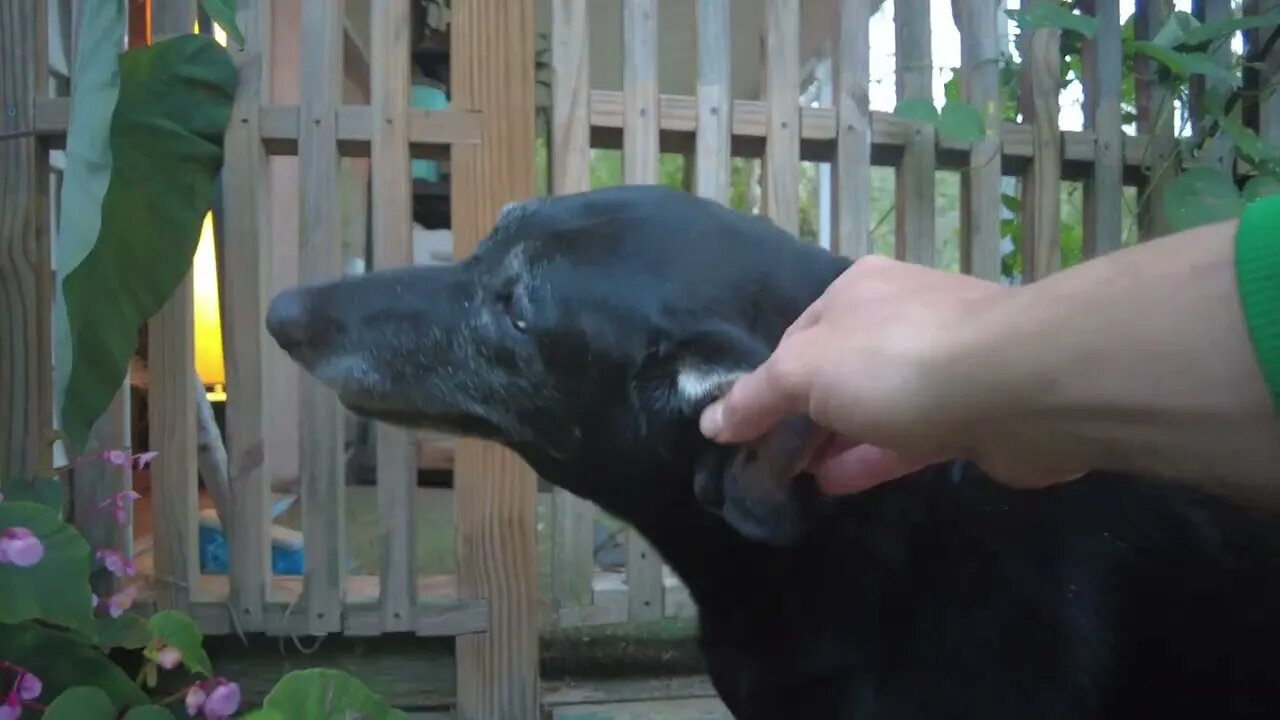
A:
18	546
222	701
168	658
141	460
117	564
119	458
121	601
29	686
119	500
10	710
217	698
195	698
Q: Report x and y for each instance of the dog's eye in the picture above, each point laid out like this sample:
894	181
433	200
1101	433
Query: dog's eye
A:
506	301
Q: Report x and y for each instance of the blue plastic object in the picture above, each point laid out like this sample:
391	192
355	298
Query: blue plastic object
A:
213	555
212	543
426	97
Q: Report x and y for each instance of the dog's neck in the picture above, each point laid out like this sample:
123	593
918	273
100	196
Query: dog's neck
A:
695	544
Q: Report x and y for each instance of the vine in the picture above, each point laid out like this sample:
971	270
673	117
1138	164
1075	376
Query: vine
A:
1185	53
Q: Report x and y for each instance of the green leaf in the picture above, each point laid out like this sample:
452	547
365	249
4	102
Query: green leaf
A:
180	632
223	12
267	714
129	631
81	703
961	122
42	491
323	693
1011	202
1175	29
917	110
55	589
1200	196
87	173
1188	63
1219	29
148	712
62	660
1261	186
141	203
1049	15
1247	142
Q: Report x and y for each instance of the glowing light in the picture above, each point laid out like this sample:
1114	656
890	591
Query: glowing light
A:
208	321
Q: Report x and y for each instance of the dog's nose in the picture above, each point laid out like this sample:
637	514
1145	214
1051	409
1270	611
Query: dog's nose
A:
287	320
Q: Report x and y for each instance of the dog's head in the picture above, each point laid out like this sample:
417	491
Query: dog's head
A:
586	333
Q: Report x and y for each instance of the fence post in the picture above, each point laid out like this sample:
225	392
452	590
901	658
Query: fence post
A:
172	402
26	357
491	69
247	258
980	181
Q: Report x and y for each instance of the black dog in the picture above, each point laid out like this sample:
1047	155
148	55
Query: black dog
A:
588	331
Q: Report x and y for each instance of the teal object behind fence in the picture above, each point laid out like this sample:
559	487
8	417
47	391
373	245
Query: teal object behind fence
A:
426	97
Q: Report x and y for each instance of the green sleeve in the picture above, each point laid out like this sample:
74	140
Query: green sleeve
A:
1258	276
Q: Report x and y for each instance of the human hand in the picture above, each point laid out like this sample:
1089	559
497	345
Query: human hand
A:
878	362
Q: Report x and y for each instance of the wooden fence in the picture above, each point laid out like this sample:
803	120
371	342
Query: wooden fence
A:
491	603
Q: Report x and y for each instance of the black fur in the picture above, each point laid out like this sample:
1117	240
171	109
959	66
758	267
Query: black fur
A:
940	595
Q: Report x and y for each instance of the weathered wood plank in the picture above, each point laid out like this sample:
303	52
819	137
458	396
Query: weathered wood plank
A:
782	133
1269	108
431	132
247	250
491	67
640	166
323	488
26	355
715	101
1219	150
1155	120
915	226
980	182
392	210
572	556
172	405
852	185
1104	190
889	135
1041	198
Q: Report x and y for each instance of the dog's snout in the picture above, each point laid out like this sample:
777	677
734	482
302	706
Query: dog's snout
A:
289	322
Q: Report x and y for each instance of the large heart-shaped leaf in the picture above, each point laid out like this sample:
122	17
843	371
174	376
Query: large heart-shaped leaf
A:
178	631
223	12
81	703
149	712
44	491
55	589
917	110
961	122
138	198
1200	196
63	660
323	693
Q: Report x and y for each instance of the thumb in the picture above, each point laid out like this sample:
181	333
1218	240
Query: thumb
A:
756	402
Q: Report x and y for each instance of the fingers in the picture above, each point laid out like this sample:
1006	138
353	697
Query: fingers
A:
862	467
757	401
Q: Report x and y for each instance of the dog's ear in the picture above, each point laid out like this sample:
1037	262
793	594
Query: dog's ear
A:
759	487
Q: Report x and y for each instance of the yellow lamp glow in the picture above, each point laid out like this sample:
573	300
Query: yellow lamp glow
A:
204	280
208	322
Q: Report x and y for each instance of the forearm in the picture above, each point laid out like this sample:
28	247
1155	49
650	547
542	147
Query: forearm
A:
1137	361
